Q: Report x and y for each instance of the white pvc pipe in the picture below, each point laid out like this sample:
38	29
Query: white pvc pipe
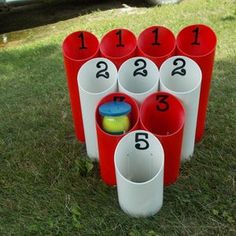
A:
96	78
139	167
181	76
138	77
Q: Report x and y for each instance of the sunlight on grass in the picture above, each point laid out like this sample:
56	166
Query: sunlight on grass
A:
48	187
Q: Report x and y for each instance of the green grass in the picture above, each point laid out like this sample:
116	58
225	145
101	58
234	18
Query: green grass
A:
47	186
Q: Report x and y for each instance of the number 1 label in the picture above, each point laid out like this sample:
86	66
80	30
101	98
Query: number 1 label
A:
119	34
81	36
196	34
156	34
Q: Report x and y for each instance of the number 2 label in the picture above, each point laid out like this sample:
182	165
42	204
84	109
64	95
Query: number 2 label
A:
103	72
141	69
179	69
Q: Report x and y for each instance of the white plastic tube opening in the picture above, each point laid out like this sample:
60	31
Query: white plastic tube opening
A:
181	76
139	163
138	77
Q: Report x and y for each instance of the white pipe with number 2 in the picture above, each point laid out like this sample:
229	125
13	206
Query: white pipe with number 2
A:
181	76
96	78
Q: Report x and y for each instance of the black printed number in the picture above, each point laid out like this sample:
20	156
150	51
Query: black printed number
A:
196	34
156	34
118	98
141	68
81	36
162	103
103	72
179	70
141	141
119	34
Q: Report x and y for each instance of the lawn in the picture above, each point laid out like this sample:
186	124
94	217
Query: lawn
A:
47	184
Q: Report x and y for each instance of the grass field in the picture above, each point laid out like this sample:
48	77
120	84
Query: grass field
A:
49	187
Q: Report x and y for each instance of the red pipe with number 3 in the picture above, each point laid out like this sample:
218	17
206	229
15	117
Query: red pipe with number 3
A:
163	115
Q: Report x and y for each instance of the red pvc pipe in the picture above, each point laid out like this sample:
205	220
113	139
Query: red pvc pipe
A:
107	142
163	114
77	48
156	43
118	45
199	42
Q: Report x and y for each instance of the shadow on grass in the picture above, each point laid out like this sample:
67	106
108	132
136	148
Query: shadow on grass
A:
32	16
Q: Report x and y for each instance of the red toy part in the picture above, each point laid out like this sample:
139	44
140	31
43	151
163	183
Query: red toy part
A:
163	114
118	45
198	42
107	142
78	48
156	43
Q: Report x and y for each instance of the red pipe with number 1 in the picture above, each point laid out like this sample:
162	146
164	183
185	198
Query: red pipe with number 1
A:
77	48
199	42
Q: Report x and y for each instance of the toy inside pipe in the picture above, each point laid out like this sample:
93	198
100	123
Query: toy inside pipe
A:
108	139
115	117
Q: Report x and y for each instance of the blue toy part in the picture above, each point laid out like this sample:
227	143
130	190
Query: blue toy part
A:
114	109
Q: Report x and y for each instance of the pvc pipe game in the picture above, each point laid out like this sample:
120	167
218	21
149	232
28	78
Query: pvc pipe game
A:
140	105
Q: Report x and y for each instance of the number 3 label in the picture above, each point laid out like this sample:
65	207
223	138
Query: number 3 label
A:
162	103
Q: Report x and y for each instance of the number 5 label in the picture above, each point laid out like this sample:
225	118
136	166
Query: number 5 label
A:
141	140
